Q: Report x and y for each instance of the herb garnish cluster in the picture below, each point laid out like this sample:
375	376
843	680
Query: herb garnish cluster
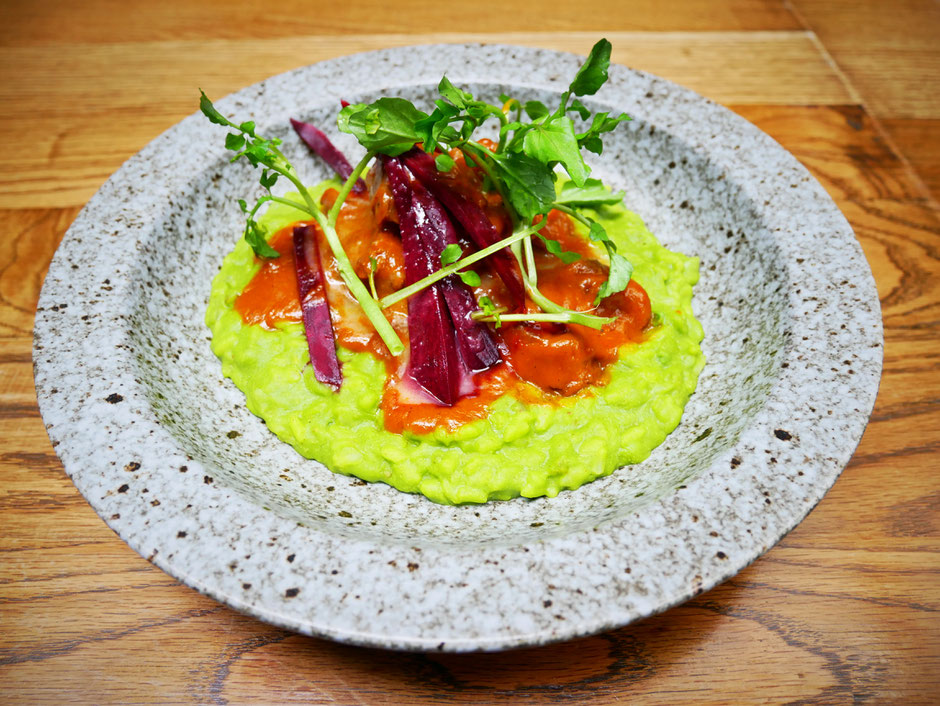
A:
534	141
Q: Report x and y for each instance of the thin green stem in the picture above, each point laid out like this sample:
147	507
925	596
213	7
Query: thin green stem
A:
481	156
503	123
570	317
348	185
543	302
261	202
576	317
532	273
580	217
291	203
517	252
375	294
291	176
562	106
440	274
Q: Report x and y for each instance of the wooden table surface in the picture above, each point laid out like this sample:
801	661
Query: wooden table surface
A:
844	609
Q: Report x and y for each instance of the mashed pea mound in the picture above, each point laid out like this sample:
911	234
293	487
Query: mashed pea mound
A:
518	449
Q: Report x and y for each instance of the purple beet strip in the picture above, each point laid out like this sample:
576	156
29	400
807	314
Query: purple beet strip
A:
315	308
473	219
422	214
317	141
433	363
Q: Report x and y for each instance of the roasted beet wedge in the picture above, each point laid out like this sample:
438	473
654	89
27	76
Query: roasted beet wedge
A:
420	212
315	308
317	141
473	220
433	363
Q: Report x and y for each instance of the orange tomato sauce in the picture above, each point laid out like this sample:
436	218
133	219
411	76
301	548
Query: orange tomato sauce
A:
542	362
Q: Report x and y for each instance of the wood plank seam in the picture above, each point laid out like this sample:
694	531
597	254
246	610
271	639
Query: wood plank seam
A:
866	105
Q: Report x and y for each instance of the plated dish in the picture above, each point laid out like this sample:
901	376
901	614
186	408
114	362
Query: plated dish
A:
164	450
465	318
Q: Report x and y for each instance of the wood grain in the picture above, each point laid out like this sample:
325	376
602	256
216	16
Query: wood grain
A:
891	54
916	140
84	109
26	22
845	609
30	237
888	50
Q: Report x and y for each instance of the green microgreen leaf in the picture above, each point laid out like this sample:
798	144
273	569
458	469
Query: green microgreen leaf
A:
592	193
208	109
259	151
554	247
450	254
479	110
386	125
579	108
618	278
529	184
621	269
342	120
436	126
554	141
459	98
592	144
268	178
469	278
535	109
444	162
257	239
234	141
598	233
490	309
466	130
593	73
602	122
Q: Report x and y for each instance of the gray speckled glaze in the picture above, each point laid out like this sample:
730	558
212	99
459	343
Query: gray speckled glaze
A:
165	451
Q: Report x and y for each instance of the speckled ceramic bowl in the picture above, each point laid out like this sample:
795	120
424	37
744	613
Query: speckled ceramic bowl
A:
165	451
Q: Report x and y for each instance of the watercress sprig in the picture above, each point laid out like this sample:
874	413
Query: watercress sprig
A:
261	151
522	166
